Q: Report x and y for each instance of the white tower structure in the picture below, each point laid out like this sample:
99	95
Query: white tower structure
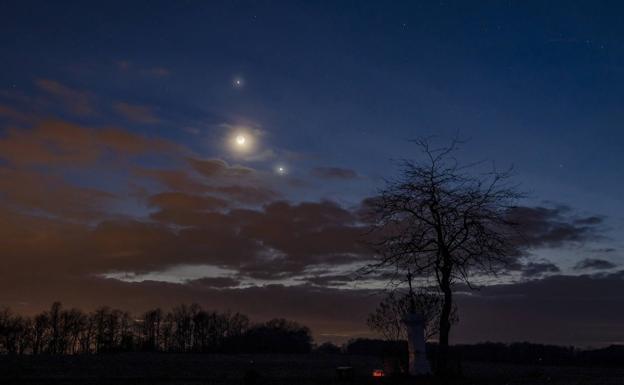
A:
418	364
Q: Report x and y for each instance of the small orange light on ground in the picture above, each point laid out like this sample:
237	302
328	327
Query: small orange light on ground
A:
378	373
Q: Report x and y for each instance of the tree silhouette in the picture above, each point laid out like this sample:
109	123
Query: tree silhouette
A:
186	328
445	225
387	319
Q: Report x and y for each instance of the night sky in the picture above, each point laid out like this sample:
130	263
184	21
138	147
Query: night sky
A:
154	153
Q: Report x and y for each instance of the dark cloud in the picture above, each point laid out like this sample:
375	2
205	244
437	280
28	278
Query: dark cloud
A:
240	189
585	310
177	201
278	240
14	115
605	250
592	220
75	101
536	269
35	192
245	193
136	113
552	227
218	168
36	160
173	179
61	143
594	264
214	282
329	279
334	173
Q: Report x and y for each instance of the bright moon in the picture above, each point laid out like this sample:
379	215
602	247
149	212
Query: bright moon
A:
242	141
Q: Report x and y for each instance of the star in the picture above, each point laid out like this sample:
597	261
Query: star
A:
280	170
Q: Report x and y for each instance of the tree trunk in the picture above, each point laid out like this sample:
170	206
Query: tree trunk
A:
445	324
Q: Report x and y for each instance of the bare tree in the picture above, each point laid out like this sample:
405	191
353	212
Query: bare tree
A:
86	337
445	223
40	333
150	329
387	319
15	332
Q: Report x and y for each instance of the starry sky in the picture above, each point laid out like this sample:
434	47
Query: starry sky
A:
124	179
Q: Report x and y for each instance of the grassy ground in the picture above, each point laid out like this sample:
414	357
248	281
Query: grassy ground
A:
192	369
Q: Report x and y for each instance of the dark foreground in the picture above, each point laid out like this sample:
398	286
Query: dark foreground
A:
192	369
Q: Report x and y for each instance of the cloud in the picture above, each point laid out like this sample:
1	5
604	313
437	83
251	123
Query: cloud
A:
594	264
568	310
246	193
186	202
552	227
13	114
605	250
592	220
538	269
279	240
217	178
38	161
215	282
77	102
173	179
334	173
46	168
136	113
36	192
218	168
57	142
329	279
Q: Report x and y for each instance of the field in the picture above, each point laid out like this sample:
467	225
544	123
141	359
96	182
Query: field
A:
194	369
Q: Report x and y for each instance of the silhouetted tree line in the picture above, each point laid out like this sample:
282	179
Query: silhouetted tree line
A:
183	329
514	353
376	347
538	354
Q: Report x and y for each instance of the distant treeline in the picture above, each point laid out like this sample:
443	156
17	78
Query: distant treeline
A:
514	353
538	354
189	328
182	329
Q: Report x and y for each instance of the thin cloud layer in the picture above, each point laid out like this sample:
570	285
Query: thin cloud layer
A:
594	264
75	101
538	269
552	227
334	173
61	143
136	113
